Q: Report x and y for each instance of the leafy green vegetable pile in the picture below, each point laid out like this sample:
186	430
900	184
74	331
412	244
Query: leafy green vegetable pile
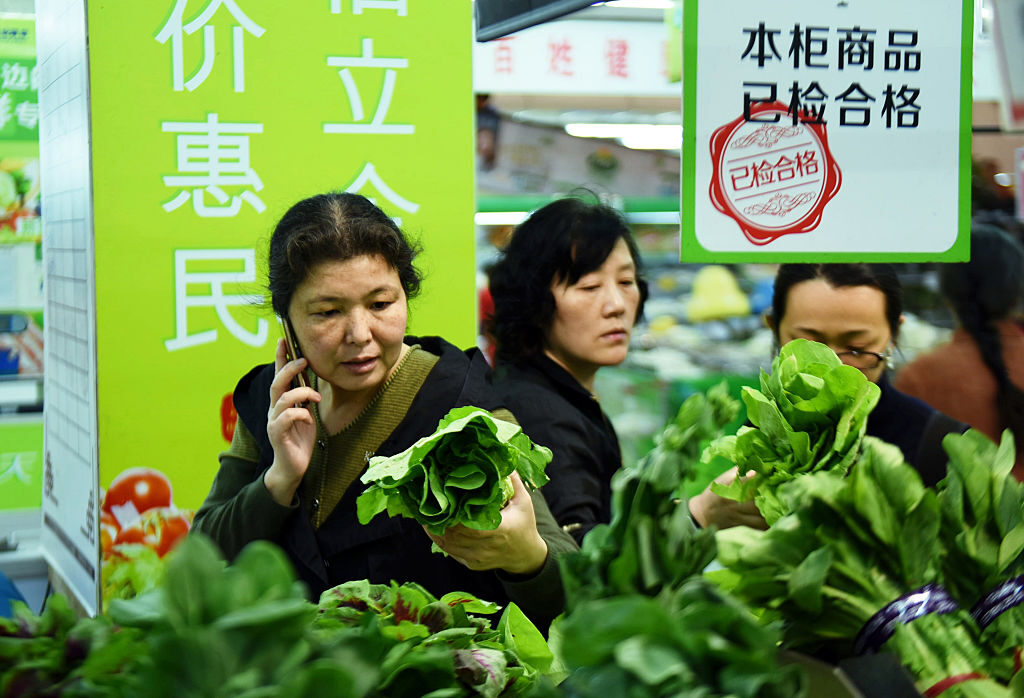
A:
248	630
851	547
640	621
652	542
690	641
57	654
457	475
698	421
462	650
983	538
810	415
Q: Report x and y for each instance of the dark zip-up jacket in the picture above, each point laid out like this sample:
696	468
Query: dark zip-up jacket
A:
556	411
916	427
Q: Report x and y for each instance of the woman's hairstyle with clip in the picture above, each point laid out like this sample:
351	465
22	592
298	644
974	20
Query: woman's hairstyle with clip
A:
558	243
334	227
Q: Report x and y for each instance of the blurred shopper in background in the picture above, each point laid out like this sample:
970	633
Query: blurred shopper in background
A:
977	376
567	290
857	310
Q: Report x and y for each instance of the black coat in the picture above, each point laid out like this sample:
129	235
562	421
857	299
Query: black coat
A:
556	411
914	426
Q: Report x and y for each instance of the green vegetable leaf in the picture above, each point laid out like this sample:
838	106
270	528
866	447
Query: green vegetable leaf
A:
457	475
519	634
810	415
808	578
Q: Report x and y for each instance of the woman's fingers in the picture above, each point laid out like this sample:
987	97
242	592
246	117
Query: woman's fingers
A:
281	390
280	355
519	491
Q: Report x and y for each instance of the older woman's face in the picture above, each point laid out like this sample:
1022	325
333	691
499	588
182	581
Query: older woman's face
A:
594	316
350	318
845	318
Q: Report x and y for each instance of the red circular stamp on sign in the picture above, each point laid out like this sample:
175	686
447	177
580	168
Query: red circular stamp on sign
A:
773	179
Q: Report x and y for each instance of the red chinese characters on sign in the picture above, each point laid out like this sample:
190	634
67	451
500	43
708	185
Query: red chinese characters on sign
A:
560	57
503	63
617	54
773	179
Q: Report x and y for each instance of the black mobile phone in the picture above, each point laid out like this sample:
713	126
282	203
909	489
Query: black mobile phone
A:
292	350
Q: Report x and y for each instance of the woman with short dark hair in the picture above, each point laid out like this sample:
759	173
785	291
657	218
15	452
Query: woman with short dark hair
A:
567	292
341	273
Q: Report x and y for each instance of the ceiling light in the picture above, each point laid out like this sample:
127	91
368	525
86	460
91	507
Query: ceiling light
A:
637	136
641	4
500	217
653	142
623	130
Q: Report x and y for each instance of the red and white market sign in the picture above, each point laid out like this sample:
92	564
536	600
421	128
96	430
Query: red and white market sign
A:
772	180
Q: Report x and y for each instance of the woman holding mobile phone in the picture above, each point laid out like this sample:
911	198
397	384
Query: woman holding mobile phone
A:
341	273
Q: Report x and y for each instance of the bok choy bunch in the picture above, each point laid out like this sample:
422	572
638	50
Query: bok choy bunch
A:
640	620
983	535
809	415
460	474
857	568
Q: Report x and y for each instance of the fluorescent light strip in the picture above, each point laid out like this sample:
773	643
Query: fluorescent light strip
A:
663	131
653	142
641	4
500	217
517	217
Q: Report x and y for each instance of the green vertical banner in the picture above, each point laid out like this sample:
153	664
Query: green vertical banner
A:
209	119
19	130
21	437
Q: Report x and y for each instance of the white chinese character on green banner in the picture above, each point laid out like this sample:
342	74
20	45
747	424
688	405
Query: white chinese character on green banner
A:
14	76
5	109
358	6
175	30
369	175
216	298
28	114
368	60
16	466
212	155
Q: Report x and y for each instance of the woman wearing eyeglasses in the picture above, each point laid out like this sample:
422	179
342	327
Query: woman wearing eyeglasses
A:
857	310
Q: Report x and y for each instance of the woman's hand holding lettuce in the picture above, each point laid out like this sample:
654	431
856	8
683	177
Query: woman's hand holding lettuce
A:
515	546
460	474
640	621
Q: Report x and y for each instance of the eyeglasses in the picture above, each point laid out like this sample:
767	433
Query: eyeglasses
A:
863	359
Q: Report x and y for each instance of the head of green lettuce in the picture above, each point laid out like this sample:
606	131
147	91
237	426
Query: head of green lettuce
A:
460	474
